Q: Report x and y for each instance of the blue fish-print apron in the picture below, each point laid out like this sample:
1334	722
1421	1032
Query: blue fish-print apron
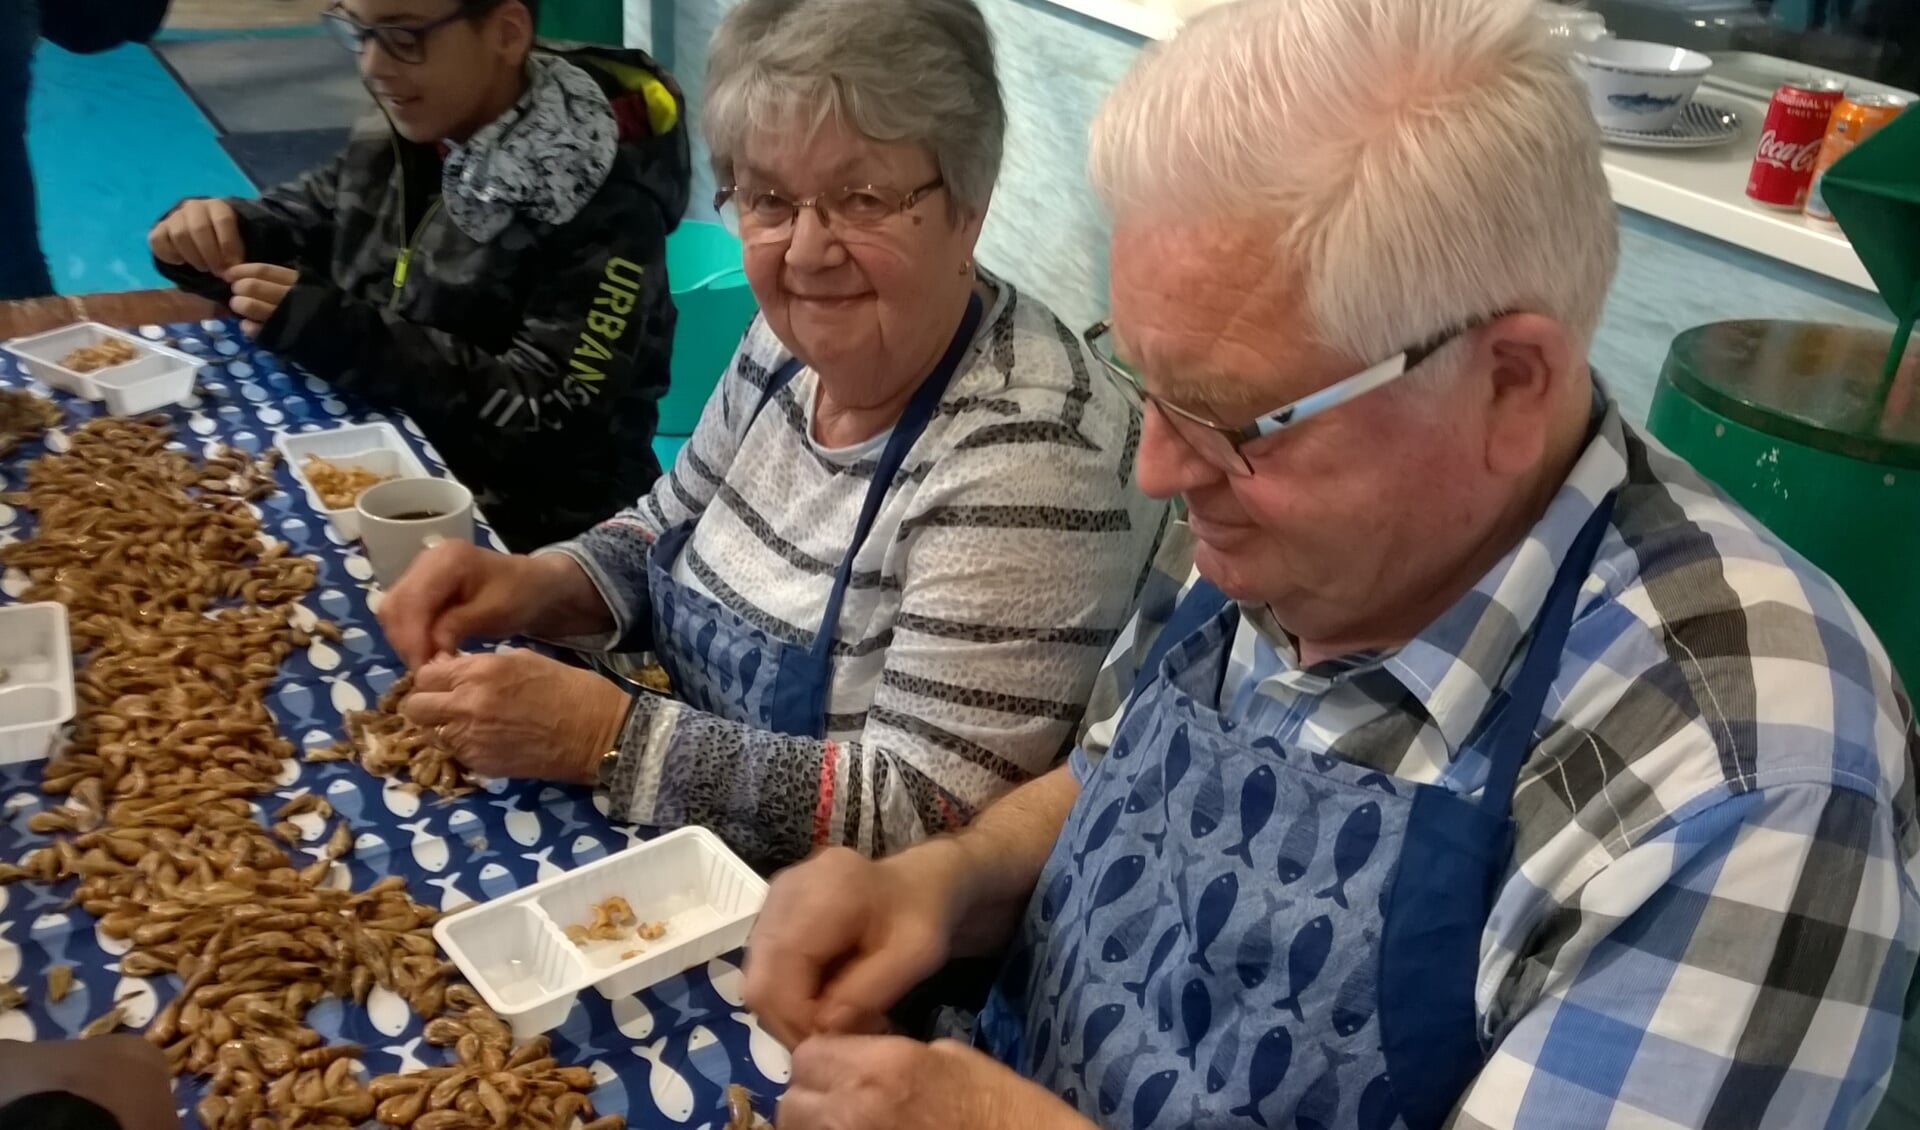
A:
1231	931
722	663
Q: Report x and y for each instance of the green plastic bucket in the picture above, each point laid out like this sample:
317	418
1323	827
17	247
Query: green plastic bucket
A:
1779	415
583	21
714	304
1785	417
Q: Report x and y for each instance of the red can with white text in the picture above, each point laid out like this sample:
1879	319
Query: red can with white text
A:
1790	141
1856	119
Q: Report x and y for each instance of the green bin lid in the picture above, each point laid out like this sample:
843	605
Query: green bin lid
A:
1874	192
1808	382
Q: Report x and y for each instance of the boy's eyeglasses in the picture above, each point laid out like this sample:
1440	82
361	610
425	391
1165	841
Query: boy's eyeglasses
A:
406	43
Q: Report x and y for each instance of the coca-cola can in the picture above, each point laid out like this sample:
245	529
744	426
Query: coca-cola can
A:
1790	141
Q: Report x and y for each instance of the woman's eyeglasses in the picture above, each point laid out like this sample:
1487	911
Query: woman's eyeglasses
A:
406	43
765	216
1220	444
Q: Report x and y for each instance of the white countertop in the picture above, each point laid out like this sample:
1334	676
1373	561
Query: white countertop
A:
1704	190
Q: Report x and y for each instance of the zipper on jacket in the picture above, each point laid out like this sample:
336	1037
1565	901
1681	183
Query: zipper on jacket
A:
405	257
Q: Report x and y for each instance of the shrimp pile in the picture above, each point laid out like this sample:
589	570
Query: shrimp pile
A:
614	920
387	744
181	612
24	416
103	354
338	486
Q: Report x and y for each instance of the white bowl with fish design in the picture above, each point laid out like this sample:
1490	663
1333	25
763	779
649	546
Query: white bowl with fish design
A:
1639	86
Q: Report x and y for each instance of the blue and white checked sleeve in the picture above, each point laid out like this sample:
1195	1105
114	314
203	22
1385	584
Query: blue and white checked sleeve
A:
1742	966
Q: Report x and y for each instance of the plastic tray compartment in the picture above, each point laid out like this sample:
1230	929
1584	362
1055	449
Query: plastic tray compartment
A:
154	381
157	376
370	447
36	697
515	950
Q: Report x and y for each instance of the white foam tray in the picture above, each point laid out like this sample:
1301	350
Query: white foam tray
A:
36	699
156	377
371	447
515	951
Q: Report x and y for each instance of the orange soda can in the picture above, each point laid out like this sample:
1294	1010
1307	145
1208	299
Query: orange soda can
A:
1853	121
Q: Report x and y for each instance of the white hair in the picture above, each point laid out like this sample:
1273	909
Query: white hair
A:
1424	162
914	71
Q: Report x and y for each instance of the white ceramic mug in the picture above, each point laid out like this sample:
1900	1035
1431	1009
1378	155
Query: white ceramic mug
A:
401	517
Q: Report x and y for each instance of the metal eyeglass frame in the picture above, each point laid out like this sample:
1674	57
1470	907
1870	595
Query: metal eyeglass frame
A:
354	35
1220	444
826	204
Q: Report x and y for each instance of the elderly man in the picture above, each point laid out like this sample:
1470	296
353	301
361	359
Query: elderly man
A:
1481	764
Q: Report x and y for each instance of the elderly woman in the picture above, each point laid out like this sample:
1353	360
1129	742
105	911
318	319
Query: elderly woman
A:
886	567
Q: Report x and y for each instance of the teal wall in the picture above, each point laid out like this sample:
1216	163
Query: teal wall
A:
1046	233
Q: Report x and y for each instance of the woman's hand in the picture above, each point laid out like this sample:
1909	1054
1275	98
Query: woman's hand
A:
890	1083
519	714
457	591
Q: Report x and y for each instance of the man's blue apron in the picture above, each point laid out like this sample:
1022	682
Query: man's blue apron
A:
1230	931
724	664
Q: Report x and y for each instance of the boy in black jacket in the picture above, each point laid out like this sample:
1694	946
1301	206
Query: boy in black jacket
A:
489	259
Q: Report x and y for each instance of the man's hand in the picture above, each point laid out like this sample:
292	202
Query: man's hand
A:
258	290
842	937
519	714
202	234
124	1075
889	1083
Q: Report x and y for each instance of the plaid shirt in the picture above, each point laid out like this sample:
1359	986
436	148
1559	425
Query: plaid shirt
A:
1712	917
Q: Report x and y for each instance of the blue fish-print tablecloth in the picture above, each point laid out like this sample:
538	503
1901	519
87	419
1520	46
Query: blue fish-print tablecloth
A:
663	1057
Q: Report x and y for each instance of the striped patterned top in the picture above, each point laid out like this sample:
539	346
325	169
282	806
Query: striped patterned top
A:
1000	569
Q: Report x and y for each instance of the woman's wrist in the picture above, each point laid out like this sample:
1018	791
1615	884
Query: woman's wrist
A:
605	713
566	601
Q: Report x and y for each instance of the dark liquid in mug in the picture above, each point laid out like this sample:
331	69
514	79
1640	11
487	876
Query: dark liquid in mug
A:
416	516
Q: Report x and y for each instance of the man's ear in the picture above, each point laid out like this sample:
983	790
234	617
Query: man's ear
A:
1529	359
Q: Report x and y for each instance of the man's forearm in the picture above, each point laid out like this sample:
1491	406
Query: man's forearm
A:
996	860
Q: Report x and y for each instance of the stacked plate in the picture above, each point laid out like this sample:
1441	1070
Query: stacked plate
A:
1702	123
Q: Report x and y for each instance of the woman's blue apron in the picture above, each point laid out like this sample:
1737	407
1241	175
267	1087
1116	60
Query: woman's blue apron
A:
1232	931
722	663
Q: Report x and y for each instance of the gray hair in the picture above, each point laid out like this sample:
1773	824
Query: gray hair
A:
1429	162
913	71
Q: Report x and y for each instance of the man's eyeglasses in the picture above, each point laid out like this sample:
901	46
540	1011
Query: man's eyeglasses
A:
765	216
406	43
1220	444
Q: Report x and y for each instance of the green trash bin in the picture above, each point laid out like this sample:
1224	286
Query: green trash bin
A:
1779	415
1784	417
583	21
714	304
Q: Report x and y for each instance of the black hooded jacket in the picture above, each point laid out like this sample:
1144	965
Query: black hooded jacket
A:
532	360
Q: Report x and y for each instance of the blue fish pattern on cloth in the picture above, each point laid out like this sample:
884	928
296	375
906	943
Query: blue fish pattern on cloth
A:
1259	935
691	1033
1393	922
711	685
1256	805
